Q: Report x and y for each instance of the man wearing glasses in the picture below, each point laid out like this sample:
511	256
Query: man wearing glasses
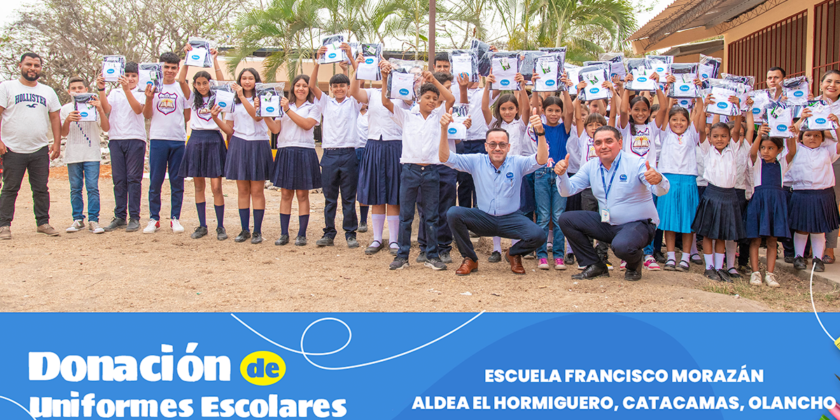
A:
498	180
626	218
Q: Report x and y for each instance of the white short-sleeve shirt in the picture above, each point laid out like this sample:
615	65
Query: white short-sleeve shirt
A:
678	154
811	168
421	136
244	126
291	135
168	114
380	121
26	118
338	128
641	140
125	123
201	119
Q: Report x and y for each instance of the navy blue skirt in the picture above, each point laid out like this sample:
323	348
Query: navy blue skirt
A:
813	211
766	213
204	155
719	215
296	168
248	160
379	173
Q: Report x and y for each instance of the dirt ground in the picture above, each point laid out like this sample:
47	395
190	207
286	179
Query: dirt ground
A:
165	272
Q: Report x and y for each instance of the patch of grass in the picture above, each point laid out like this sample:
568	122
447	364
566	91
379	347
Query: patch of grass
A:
794	295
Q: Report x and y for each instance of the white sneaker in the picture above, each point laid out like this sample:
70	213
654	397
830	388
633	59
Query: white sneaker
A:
76	226
152	227
770	279
95	228
755	278
176	226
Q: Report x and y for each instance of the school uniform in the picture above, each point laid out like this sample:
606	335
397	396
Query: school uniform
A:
296	166
361	136
205	152
421	143
166	149
678	163
812	204
379	171
82	156
640	140
767	211
719	214
127	144
447	194
476	136
249	152
339	163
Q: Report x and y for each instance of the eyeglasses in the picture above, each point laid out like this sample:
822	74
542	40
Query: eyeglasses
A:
497	145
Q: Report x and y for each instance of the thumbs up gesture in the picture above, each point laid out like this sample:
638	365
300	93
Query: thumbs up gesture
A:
536	121
652	177
561	167
445	119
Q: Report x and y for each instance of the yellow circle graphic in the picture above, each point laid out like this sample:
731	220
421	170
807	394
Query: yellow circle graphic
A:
262	368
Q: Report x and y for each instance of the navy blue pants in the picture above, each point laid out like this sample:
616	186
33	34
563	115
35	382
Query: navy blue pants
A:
340	174
512	226
628	241
163	154
446	199
414	180
127	159
466	187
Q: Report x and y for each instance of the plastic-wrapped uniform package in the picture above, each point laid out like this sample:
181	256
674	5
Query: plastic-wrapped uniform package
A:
415	69
709	67
369	67
334	53
505	67
221	94
548	68
457	130
683	86
269	95
200	55
760	99
481	50
528	64
464	61
779	118
796	90
572	71
354	51
594	76
616	61
641	70
721	90
149	74
820	110
661	64
743	85
113	67
81	103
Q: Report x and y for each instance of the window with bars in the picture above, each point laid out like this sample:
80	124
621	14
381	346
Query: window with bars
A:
826	38
781	44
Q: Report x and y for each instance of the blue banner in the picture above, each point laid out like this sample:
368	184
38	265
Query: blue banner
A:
419	366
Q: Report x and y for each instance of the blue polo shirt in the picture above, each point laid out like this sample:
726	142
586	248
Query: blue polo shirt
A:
496	190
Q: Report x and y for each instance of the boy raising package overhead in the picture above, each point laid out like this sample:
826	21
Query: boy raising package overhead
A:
81	152
169	111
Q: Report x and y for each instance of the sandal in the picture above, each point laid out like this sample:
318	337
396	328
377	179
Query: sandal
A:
683	266
698	260
671	265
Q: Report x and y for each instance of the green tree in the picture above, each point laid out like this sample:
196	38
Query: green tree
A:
575	23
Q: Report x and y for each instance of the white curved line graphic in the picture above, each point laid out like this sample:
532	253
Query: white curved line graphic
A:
17	404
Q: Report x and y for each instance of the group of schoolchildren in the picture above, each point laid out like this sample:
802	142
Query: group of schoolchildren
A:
383	154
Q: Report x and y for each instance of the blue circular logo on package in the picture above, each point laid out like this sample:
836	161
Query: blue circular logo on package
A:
110	71
756	111
721	105
705	76
820	120
195	56
799	94
781	127
685	88
642	79
332	55
83	113
452	131
594	90
549	82
222	104
509	175
660	69
684	103
505	82
369	61
269	108
404	92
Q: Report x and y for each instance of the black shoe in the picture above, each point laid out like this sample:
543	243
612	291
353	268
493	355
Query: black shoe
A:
670	265
724	275
593	271
221	233
789	259
445	257
633	275
133	225
393	251
422	257
712	274
300	241
530	256
282	240
352	242
324	241
362	228
683	266
199	233
116	223
799	263
733	273
398	264
473	235
435	264
660	257
370	250
495	257
243	236
819	265
257	238
569	260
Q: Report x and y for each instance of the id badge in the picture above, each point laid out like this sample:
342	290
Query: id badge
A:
605	216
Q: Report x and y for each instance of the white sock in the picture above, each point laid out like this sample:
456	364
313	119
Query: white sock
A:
513	242
719	261
818	245
672	255
393	230
710	260
550	236
569	249
799	241
497	244
694	245
378	222
685	256
731	247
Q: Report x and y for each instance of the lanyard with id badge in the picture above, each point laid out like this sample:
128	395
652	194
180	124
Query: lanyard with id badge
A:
605	213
